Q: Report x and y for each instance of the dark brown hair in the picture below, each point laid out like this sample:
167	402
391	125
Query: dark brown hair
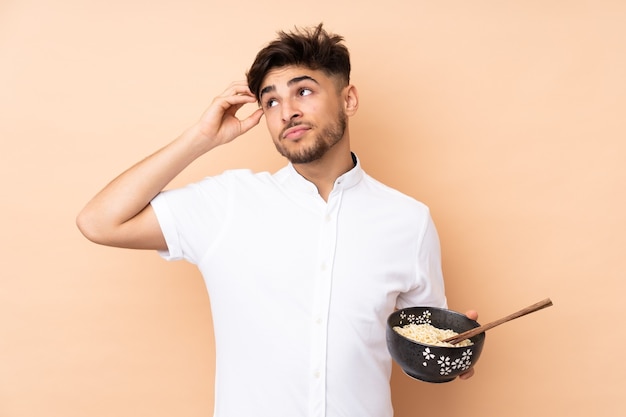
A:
313	48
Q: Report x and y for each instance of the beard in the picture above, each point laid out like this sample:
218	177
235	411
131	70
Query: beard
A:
326	139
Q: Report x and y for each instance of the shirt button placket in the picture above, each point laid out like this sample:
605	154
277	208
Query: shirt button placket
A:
321	306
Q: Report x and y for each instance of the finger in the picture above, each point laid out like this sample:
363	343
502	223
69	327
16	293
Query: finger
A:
237	88
232	103
472	314
251	121
468	374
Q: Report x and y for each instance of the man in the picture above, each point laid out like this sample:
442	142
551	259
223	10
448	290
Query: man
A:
303	266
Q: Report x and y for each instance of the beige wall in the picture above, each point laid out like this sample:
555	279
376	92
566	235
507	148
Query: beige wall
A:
505	117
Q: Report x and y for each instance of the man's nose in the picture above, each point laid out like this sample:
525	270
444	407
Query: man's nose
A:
290	110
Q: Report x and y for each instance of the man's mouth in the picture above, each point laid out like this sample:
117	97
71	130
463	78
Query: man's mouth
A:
295	132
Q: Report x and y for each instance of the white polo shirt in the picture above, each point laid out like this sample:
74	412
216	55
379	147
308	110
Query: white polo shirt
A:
301	288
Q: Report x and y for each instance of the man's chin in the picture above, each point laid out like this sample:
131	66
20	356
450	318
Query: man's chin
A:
302	156
299	160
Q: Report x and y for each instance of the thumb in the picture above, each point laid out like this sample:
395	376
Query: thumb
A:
472	314
251	121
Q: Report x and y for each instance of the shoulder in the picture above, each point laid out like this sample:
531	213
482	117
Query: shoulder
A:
218	188
393	197
236	178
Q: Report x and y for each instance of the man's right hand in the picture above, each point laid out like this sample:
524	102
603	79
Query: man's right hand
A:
121	214
219	123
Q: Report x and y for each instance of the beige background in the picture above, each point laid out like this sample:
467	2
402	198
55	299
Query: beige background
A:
505	117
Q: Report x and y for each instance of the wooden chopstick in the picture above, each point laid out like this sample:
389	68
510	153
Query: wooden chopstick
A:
477	330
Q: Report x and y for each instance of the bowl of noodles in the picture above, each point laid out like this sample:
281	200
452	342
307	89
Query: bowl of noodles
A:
414	339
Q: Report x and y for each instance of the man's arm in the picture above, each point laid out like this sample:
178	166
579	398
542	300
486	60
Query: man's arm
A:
120	214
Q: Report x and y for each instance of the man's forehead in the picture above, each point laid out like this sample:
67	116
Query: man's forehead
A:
289	75
286	73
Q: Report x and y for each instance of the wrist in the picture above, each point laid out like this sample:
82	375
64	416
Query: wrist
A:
195	140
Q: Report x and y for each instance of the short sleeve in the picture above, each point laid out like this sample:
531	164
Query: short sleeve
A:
429	289
168	228
192	217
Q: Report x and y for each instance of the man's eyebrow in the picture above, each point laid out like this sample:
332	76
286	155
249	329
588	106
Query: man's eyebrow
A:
294	80
301	78
267	89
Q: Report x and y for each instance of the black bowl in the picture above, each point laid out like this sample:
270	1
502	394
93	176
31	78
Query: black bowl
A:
427	362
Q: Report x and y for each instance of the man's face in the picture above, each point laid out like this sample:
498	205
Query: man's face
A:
304	112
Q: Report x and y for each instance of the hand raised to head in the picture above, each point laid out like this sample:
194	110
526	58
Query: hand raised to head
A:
219	124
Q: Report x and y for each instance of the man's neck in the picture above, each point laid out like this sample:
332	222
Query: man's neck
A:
325	171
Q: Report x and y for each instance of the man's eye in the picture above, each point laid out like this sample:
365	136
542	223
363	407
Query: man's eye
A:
270	103
305	92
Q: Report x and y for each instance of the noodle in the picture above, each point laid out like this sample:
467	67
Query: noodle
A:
430	335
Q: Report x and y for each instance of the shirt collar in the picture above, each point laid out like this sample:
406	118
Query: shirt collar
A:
290	176
352	177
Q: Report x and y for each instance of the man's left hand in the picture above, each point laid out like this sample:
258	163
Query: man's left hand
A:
466	375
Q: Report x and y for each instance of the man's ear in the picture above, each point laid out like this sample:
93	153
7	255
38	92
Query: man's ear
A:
351	100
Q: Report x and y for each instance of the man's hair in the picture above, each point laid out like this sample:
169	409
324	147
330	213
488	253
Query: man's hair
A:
313	48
